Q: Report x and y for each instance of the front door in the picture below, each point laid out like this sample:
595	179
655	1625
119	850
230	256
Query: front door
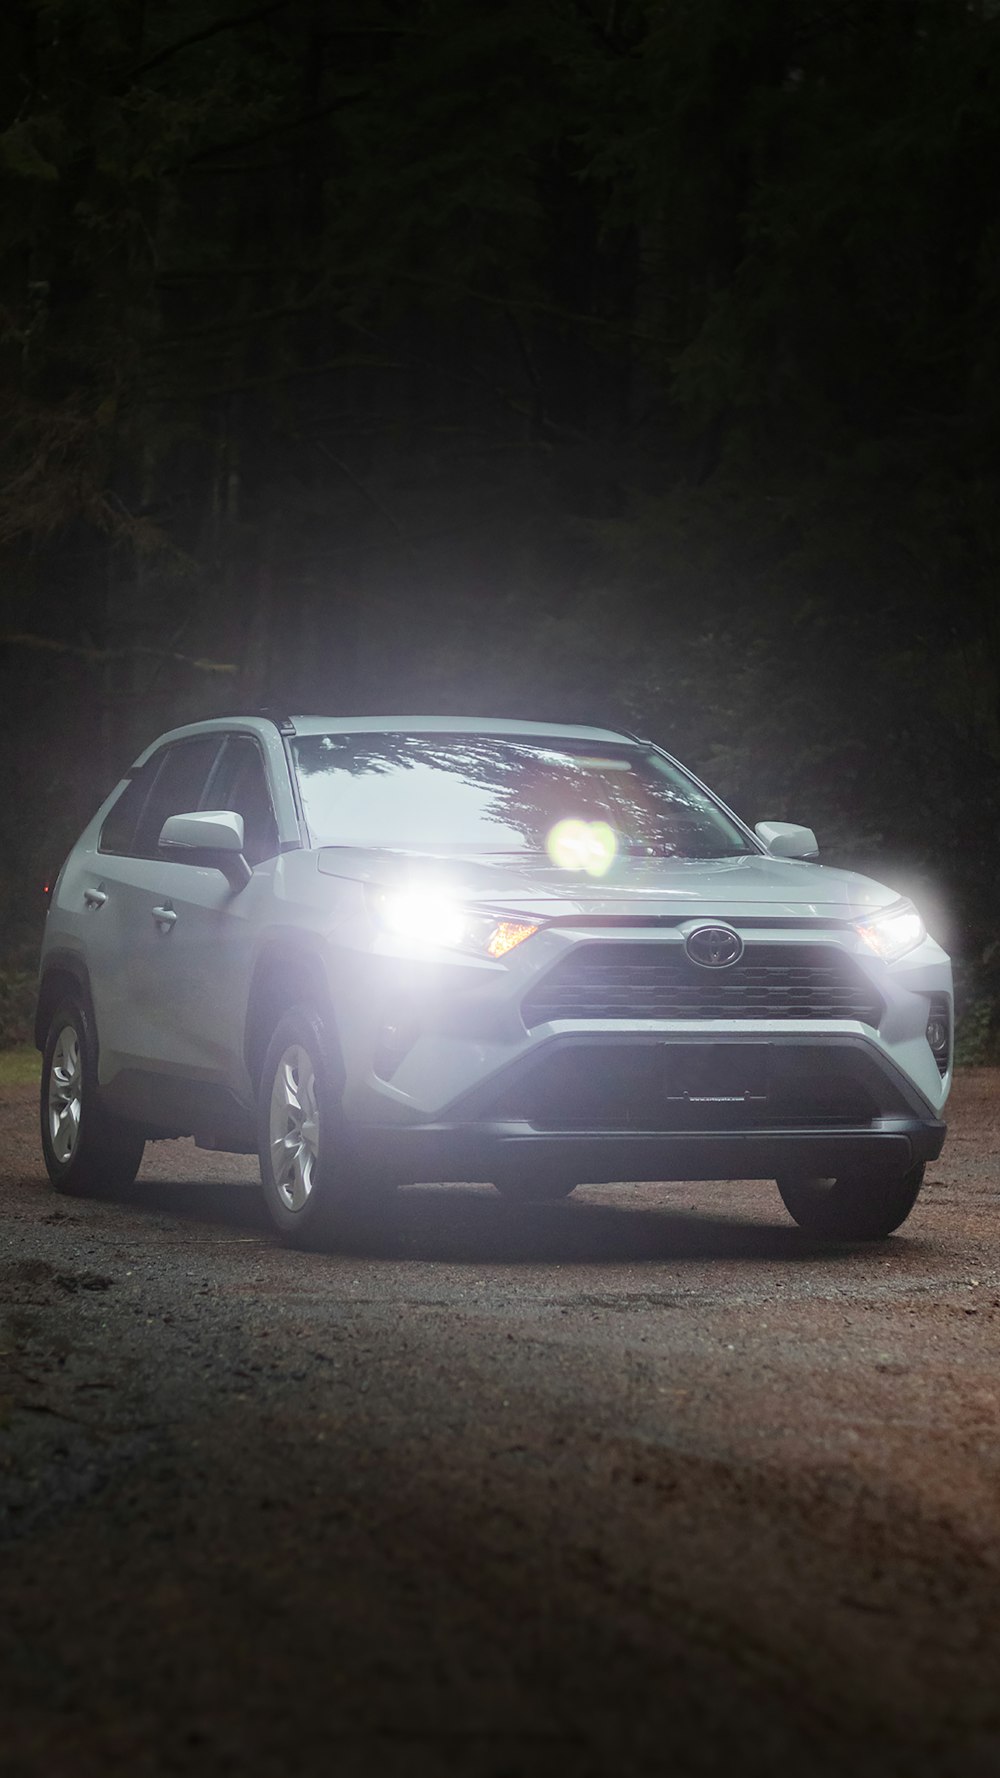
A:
193	956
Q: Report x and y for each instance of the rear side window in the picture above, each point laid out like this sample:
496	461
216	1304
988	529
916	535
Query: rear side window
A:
178	789
122	818
240	784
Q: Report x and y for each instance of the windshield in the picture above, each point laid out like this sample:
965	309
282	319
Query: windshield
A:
495	794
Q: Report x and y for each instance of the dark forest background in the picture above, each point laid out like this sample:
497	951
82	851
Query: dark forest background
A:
620	360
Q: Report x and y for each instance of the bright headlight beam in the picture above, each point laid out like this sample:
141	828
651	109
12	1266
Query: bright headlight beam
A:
891	935
423	919
428	921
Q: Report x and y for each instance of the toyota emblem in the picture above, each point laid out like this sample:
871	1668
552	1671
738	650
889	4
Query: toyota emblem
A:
714	947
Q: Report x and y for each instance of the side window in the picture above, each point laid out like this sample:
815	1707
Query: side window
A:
240	784
119	827
177	790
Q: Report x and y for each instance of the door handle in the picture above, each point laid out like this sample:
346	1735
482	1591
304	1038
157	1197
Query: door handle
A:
164	916
95	898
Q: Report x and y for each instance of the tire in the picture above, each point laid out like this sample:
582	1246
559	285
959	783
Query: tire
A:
86	1147
316	1185
534	1191
857	1207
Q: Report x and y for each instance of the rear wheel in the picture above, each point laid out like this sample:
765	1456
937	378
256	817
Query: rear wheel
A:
855	1207
314	1181
86	1147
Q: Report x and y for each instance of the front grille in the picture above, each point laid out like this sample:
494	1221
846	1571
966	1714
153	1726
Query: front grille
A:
654	981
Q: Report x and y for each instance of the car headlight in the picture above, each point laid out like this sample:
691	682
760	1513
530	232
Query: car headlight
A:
427	921
891	935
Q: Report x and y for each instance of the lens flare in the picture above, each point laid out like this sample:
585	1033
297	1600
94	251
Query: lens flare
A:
589	846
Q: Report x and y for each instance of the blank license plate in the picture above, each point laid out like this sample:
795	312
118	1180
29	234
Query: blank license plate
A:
720	1072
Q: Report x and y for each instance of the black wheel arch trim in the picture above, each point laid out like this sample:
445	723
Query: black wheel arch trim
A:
297	953
67	965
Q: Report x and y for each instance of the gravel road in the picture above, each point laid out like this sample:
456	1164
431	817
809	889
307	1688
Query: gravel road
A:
644	1482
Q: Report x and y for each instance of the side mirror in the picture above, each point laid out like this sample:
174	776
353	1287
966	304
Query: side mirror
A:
785	839
213	837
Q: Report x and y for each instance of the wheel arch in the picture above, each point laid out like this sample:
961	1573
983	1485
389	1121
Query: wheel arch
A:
289	972
62	973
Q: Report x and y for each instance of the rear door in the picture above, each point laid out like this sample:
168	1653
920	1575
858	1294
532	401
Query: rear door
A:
99	887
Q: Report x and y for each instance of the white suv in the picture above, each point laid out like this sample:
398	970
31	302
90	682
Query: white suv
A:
387	949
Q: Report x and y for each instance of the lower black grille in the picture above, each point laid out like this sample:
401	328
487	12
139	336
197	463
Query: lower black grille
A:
673	1086
659	981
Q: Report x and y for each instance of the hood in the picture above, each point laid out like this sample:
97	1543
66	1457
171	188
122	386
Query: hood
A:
728	888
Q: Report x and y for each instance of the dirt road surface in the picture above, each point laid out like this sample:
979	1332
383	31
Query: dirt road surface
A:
644	1482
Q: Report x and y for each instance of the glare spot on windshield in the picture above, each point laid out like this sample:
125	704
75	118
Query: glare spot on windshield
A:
582	845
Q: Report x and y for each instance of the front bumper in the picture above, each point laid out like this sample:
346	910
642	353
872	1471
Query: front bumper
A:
586	1107
487	1071
484	1151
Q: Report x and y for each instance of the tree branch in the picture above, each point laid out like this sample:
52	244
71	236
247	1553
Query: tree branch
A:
290	375
277	129
245	322
231	22
366	493
531	306
18	639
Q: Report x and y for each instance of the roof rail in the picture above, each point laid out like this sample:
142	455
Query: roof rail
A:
282	722
614	728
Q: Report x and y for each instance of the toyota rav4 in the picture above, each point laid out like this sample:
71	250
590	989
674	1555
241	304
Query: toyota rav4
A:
382	950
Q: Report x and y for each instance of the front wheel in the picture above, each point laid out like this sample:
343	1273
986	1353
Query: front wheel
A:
314	1181
86	1148
856	1207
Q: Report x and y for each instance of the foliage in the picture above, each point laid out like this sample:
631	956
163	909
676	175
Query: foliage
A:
975	1036
18	988
629	360
19	1067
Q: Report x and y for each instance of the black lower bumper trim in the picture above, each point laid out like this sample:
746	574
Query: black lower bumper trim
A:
438	1151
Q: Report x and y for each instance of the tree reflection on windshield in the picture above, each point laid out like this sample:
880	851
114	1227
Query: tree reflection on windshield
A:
499	794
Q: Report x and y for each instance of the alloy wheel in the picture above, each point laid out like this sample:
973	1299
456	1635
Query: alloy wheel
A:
65	1095
294	1127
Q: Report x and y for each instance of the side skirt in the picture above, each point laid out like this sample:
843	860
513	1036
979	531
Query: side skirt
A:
166	1108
